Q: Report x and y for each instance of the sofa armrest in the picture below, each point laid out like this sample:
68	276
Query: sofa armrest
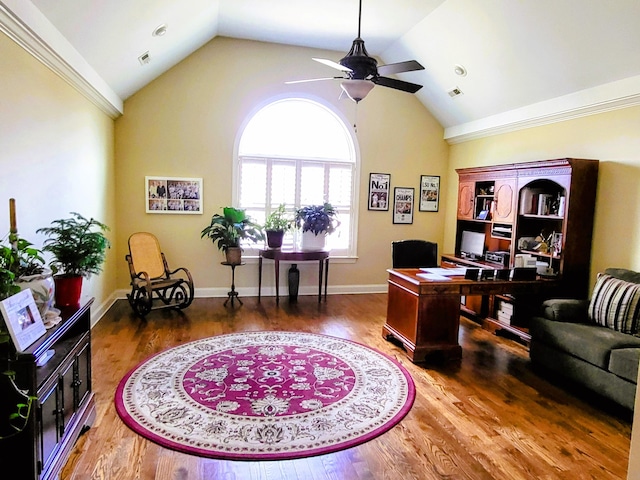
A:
565	310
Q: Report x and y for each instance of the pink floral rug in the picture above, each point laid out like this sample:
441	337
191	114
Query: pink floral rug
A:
265	396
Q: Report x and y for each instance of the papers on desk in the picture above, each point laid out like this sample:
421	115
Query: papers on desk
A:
444	272
434	277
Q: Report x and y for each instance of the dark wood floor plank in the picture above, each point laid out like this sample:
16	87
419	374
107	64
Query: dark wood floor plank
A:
489	416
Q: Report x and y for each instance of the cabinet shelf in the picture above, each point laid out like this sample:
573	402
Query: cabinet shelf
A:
540	254
546	217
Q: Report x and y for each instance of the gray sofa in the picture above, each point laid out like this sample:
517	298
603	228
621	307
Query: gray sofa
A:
565	340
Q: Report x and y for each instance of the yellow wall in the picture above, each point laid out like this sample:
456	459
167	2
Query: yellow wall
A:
56	155
186	124
612	137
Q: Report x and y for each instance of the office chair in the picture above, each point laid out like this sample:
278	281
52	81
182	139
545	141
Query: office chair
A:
414	254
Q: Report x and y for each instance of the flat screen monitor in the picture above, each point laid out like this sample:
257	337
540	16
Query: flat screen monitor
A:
472	244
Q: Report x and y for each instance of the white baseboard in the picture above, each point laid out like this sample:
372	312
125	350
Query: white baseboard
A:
269	291
98	312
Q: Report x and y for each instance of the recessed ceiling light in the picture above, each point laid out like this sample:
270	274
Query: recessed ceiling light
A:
460	70
160	30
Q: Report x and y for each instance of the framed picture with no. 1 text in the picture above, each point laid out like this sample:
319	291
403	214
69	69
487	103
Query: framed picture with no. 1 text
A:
174	195
379	184
429	193
403	205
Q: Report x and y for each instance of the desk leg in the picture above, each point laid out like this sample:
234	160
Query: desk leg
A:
326	277
259	277
321	263
277	267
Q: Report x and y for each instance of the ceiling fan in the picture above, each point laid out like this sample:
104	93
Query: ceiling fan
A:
362	72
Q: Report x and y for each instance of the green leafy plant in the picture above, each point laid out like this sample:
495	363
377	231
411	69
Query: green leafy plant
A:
21	257
317	218
230	228
77	244
279	220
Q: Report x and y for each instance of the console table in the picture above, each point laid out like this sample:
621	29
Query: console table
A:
295	256
424	315
64	404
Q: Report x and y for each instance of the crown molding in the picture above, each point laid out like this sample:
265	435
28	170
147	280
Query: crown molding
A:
604	98
21	21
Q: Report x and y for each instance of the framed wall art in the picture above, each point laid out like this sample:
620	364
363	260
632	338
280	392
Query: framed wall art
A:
429	193
403	205
174	195
379	184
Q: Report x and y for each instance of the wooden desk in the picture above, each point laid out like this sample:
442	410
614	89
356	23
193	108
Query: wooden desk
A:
295	256
424	315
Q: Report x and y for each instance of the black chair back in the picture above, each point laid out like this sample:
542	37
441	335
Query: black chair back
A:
414	254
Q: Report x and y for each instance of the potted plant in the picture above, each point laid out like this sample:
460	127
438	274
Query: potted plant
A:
226	231
78	246
26	263
316	222
278	222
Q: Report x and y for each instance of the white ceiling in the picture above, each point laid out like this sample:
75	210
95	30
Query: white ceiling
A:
525	58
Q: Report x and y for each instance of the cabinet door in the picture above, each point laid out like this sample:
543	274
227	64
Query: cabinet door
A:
50	426
67	392
465	200
505	195
83	375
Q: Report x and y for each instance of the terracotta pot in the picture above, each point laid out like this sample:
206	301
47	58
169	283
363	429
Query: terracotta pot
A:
68	290
274	238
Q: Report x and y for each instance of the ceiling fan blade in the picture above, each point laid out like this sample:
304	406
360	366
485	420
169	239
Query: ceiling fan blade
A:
333	64
391	68
397	84
314	80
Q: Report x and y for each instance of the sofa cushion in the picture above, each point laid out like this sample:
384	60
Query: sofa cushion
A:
589	342
624	363
615	304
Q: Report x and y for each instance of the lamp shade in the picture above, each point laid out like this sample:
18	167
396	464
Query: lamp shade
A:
357	89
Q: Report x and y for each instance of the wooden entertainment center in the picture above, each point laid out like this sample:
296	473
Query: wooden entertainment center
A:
512	205
63	406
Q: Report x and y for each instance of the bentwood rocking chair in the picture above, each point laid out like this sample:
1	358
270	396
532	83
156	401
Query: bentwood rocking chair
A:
153	285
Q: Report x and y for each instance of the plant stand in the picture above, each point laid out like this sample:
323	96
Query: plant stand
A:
232	294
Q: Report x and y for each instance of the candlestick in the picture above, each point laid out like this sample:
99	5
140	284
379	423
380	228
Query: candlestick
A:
12	216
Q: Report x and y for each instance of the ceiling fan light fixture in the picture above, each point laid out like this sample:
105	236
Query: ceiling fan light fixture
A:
357	89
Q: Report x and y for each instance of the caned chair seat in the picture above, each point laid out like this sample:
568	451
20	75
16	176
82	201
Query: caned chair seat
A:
153	284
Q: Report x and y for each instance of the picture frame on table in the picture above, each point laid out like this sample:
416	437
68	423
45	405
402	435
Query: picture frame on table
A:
174	195
403	203
23	320
379	185
429	193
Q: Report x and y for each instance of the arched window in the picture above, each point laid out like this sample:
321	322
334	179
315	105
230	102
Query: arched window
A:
298	152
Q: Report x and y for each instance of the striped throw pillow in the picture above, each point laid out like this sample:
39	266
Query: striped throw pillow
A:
616	304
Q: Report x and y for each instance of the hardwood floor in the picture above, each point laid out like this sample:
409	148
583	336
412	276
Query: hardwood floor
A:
487	417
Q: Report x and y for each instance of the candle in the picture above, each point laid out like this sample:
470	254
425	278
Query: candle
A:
12	216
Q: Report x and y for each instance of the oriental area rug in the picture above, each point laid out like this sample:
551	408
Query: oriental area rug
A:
265	396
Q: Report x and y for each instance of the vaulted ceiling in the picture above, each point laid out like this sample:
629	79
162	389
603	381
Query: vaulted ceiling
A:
527	61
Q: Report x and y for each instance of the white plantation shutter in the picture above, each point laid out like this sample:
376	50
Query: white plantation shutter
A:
298	152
